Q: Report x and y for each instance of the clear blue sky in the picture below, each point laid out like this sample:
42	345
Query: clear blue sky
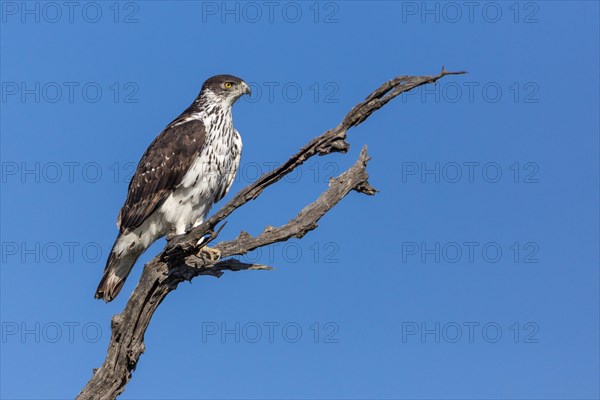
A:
474	272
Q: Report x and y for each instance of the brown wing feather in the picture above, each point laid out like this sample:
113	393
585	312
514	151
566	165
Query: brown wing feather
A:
161	169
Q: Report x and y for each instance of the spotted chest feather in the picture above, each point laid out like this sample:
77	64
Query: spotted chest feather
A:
209	177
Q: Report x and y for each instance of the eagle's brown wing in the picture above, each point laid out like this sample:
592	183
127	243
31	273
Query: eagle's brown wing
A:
161	169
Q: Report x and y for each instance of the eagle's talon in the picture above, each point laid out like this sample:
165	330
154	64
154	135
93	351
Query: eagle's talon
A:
212	253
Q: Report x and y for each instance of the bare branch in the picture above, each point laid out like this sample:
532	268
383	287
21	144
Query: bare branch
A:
183	259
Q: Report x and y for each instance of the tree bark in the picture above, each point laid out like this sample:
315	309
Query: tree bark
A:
183	259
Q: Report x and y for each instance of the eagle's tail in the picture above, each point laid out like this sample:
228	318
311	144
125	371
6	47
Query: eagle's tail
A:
119	264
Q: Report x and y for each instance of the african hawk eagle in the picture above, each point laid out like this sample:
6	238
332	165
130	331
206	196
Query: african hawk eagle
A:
187	168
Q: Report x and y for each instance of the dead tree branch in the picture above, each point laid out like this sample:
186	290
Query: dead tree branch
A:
182	258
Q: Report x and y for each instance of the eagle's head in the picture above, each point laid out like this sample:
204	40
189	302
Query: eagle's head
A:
226	89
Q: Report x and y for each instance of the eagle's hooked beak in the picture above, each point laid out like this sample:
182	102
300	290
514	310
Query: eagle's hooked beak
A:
246	89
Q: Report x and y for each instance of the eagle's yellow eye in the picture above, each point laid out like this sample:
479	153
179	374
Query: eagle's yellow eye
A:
228	85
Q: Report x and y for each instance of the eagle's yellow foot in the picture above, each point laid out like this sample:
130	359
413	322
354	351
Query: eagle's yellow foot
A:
211	253
171	235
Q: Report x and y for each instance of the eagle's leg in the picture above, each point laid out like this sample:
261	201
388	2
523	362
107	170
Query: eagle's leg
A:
213	254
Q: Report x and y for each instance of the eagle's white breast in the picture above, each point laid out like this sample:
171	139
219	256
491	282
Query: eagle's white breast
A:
209	178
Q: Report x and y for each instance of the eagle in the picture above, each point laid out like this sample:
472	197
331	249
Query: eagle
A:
188	167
